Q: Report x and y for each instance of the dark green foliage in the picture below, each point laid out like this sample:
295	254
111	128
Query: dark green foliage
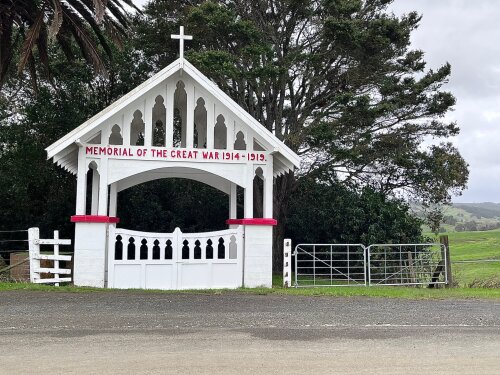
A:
336	80
321	213
28	28
160	206
33	190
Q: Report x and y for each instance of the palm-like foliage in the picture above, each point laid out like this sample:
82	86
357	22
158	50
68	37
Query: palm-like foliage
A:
29	25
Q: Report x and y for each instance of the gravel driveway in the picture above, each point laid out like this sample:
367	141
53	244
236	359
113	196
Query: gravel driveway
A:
138	332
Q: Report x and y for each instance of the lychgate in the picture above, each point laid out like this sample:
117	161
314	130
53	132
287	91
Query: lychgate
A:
177	124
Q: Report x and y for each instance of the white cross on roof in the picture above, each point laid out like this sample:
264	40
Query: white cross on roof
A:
181	38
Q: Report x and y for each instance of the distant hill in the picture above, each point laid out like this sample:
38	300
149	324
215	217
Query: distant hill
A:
460	217
480	210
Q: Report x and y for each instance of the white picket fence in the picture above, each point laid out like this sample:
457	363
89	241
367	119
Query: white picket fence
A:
35	257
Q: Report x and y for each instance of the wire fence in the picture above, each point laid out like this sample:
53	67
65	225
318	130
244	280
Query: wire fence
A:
14	256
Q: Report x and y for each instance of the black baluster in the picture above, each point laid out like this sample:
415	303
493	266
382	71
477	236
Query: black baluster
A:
197	250
221	253
144	249
131	249
118	248
156	250
209	250
185	250
168	250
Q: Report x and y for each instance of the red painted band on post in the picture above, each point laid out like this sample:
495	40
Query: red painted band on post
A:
94	219
252	221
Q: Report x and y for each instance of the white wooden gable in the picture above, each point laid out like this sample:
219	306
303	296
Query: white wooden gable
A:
117	120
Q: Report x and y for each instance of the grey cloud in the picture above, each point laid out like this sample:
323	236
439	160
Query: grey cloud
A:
466	34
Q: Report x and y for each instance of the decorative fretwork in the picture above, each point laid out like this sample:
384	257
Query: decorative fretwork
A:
118	248
221	249
209	250
131	249
168	250
156	249
185	249
144	249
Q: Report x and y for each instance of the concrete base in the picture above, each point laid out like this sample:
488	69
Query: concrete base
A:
90	254
258	262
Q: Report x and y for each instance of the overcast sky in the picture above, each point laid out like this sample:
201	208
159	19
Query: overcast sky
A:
466	34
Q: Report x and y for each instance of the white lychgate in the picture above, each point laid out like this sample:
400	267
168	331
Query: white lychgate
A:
177	124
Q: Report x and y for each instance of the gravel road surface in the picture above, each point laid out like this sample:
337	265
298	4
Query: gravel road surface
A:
154	333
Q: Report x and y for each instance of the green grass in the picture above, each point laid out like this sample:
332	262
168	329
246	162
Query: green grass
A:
380	292
475	246
463	246
466	273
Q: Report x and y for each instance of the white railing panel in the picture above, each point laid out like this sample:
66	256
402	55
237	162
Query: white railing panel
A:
188	267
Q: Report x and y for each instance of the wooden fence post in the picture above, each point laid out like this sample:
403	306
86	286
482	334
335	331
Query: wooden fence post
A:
445	253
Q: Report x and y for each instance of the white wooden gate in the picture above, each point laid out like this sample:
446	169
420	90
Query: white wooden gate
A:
35	256
175	260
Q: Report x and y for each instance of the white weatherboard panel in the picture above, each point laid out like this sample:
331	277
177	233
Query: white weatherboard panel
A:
160	276
127	276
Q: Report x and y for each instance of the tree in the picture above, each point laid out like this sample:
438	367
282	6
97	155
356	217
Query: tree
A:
336	80
34	191
28	27
321	213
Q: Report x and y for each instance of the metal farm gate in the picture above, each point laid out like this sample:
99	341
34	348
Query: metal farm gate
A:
406	264
330	265
378	264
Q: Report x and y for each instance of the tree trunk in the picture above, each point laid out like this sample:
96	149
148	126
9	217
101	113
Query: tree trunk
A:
283	188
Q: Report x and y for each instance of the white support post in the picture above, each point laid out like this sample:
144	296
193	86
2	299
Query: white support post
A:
230	133
169	107
34	253
56	255
190	91
103	188
81	182
232	201
95	192
287	263
126	123
210	124
268	191
148	121
249	193
113	196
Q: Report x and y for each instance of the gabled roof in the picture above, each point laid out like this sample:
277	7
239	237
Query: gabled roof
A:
284	157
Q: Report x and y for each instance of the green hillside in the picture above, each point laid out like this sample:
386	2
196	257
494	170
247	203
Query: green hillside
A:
460	217
475	246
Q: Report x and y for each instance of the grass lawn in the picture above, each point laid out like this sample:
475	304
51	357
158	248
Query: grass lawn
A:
385	292
463	246
475	246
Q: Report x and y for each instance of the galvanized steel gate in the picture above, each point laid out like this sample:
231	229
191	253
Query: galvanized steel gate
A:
378	264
